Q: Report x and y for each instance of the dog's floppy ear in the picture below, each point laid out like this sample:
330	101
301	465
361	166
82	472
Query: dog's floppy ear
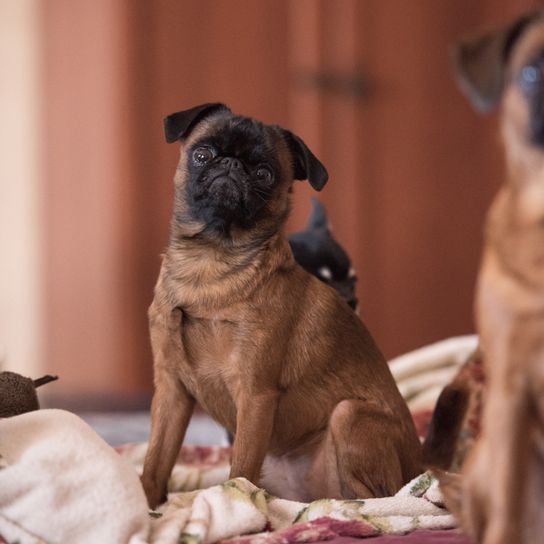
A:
318	219
305	163
178	125
480	62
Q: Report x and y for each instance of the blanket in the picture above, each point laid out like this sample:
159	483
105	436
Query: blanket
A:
237	507
422	374
59	482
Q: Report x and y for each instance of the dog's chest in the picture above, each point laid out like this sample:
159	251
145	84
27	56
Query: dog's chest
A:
211	371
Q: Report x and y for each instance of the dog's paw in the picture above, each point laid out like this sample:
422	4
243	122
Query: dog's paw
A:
155	494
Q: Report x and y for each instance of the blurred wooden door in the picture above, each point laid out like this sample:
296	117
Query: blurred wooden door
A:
113	70
413	168
366	83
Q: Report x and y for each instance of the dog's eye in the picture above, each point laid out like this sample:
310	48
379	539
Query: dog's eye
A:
325	273
531	78
202	155
264	174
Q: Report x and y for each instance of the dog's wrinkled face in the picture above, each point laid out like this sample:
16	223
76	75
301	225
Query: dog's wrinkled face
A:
523	99
235	173
527	69
506	66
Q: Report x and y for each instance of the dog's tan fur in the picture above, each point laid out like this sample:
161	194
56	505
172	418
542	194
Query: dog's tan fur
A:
500	495
275	356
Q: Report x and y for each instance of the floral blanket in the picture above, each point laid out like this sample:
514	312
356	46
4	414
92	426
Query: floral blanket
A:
61	483
237	507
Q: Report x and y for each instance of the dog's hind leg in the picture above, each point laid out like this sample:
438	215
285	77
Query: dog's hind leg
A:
363	454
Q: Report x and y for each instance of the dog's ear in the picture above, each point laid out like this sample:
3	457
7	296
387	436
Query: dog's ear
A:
318	220
179	125
480	62
305	163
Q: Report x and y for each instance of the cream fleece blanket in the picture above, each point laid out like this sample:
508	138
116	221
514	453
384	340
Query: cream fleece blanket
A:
422	374
61	483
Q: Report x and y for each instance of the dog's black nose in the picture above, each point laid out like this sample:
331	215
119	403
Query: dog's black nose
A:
231	163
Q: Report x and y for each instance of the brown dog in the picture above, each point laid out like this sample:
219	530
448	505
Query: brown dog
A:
500	497
269	351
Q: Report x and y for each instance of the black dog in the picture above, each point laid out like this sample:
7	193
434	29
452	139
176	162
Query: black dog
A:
316	250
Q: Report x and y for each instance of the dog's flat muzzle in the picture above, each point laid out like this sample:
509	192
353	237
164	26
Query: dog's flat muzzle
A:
225	184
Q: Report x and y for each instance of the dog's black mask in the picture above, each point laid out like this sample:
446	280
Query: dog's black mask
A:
234	166
232	174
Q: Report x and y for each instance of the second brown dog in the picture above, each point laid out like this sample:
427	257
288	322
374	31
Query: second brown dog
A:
500	495
269	351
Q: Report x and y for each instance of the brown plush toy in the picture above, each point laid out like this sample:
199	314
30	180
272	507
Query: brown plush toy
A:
18	393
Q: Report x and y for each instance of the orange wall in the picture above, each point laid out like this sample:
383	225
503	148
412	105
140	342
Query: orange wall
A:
412	167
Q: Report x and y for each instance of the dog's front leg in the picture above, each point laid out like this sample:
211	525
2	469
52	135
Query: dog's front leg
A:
254	423
171	408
